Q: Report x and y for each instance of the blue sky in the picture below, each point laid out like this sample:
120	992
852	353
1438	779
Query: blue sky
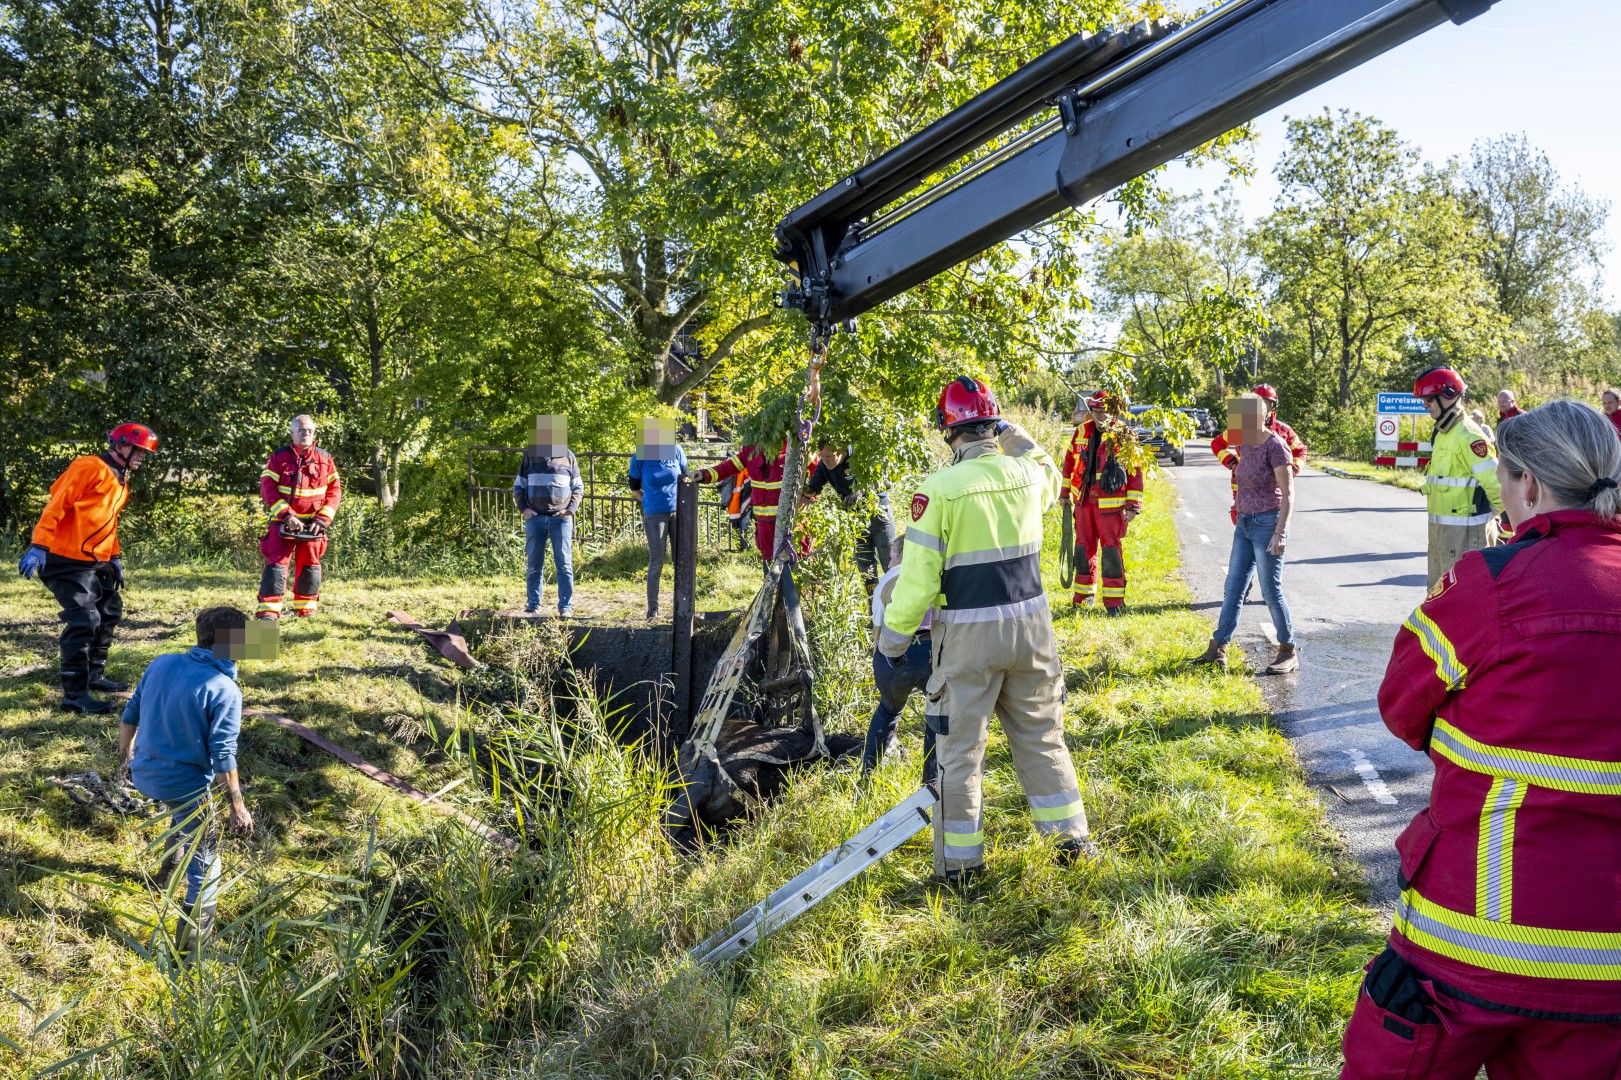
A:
1550	69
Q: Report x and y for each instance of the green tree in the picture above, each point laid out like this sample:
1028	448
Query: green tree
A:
1544	246
1369	255
1181	296
136	204
669	138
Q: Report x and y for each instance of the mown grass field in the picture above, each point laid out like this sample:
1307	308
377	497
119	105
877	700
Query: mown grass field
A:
1221	936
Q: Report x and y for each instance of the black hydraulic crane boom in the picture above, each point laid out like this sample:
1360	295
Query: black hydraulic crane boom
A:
1125	102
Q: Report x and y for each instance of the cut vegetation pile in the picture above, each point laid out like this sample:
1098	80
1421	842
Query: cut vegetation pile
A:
1221	935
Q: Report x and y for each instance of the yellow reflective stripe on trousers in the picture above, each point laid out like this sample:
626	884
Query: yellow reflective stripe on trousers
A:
765	511
1057	813
963	840
1494	863
1448	668
1584	775
1536	951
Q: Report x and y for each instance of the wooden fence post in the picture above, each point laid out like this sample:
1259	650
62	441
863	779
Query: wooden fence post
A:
686	587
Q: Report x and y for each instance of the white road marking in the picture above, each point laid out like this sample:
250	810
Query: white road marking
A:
1203	539
1370	777
1187	513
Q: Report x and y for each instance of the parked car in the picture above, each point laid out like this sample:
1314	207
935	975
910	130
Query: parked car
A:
1153	435
1204	425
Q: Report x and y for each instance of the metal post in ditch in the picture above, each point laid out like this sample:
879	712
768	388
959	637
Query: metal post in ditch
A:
686	589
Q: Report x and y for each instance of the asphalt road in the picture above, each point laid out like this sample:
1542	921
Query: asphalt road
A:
1355	569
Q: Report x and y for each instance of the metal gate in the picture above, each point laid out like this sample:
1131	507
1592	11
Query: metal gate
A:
608	509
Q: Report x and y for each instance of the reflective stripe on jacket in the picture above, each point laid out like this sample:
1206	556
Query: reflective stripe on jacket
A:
1462	462
305	482
973	544
1511	878
80	520
764	474
1109	500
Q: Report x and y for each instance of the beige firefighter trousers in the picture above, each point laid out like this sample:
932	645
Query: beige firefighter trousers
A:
1007	666
1449	542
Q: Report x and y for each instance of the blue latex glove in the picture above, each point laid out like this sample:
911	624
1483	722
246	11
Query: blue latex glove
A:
118	572
33	559
895	661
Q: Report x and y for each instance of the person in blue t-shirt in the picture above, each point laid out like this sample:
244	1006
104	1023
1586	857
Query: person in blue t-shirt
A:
655	469
187	709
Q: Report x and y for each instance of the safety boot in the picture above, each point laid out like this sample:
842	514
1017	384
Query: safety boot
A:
76	696
1074	850
101	684
1115	612
960	879
1215	653
1287	660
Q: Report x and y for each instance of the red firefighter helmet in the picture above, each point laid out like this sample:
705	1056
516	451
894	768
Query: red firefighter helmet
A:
965	401
1439	382
1267	391
137	435
1099	399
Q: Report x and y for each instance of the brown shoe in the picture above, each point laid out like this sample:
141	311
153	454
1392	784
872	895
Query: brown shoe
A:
1287	660
1215	653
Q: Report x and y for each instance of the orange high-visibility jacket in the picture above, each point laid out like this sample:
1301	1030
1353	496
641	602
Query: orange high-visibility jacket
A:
81	519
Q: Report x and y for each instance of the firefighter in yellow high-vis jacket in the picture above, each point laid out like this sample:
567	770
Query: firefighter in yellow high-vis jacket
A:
974	553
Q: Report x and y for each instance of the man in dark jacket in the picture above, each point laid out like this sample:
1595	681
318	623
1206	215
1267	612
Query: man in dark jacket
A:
872	552
548	491
187	709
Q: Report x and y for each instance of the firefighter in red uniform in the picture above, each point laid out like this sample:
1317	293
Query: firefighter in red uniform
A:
764	476
1228	455
1106	498
1506	950
301	491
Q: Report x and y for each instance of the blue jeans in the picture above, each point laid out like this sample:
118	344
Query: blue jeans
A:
1250	538
537	531
188	821
895	686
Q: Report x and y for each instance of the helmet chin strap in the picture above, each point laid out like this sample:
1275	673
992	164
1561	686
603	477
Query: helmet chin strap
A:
1451	412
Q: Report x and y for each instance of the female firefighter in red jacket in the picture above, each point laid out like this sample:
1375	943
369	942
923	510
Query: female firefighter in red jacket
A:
1506	950
1106	498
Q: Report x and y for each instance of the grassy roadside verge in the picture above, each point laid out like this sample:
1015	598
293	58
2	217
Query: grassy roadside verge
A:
1221	935
1410	479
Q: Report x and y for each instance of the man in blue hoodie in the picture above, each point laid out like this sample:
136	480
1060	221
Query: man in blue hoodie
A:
187	709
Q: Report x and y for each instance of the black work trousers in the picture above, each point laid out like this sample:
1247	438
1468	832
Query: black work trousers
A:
91	609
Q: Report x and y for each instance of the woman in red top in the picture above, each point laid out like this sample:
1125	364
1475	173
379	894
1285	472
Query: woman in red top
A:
1612	408
1506	950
